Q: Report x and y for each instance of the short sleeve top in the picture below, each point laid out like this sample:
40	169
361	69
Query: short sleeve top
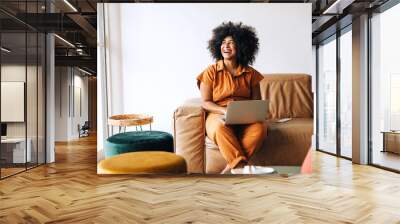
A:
225	87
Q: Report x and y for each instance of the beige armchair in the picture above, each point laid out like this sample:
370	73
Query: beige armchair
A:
285	144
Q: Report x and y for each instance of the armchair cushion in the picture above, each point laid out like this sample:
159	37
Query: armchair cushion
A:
189	133
289	95
287	144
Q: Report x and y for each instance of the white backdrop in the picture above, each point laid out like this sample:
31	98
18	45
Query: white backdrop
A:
159	49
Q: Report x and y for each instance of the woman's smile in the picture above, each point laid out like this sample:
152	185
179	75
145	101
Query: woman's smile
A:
228	48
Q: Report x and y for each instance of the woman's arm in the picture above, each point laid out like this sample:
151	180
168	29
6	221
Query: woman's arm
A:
207	103
255	92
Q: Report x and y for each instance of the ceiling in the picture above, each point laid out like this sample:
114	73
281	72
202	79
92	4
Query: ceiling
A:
75	22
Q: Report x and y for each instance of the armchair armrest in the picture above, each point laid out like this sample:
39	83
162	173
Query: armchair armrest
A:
189	134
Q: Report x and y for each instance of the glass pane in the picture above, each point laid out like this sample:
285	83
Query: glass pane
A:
13	87
31	98
41	98
327	97
41	110
386	89
346	94
22	87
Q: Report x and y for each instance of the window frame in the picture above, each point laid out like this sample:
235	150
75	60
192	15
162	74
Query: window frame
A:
334	37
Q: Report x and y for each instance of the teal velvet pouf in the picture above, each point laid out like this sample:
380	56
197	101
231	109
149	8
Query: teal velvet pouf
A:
138	141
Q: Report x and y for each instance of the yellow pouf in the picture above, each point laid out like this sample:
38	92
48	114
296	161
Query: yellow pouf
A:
143	163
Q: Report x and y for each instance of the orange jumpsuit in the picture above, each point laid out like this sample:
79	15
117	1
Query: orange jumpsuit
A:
236	142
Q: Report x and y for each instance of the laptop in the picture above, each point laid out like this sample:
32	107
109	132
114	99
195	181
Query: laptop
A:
246	111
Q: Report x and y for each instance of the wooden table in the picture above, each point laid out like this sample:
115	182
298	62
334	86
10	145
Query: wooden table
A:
391	141
14	151
125	120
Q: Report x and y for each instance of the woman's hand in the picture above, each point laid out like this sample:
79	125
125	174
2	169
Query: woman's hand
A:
223	111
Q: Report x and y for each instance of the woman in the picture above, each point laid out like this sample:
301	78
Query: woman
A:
234	47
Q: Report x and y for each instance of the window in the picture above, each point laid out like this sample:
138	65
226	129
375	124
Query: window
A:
394	118
346	75
334	137
385	86
327	97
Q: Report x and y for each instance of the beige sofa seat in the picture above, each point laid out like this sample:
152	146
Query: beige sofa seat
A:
285	143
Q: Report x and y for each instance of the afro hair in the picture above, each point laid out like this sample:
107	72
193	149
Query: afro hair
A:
245	38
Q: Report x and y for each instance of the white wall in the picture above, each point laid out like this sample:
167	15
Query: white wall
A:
61	103
164	47
33	126
81	108
67	115
17	73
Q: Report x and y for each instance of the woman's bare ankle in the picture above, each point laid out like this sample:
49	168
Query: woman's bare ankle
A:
226	170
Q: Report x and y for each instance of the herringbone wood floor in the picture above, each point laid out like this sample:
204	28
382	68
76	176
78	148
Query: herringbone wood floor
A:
69	191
